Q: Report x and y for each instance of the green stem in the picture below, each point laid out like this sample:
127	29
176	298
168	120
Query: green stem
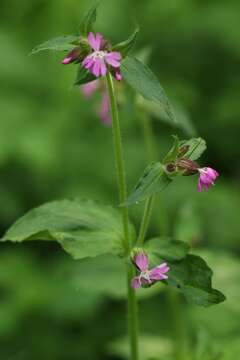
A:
151	155
145	220
122	188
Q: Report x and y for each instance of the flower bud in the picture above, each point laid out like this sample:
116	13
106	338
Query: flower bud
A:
190	167
72	56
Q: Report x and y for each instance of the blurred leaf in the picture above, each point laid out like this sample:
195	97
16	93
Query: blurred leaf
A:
166	249
83	228
196	147
151	182
83	76
126	46
61	43
88	20
141	78
193	278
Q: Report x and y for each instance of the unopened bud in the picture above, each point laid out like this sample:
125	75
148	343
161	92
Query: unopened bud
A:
190	167
72	56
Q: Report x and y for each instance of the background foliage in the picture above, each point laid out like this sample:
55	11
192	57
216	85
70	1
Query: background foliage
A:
53	146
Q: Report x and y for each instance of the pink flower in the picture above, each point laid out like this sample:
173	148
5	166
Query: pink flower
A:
71	56
148	277
103	110
98	61
206	178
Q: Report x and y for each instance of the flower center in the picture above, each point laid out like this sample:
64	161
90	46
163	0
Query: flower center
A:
98	54
145	275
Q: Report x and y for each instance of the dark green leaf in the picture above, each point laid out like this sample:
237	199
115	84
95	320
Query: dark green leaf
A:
62	43
126	46
141	78
83	76
193	278
151	182
173	153
166	249
88	20
83	228
196	147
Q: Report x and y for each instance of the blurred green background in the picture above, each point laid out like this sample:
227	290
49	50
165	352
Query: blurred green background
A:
53	146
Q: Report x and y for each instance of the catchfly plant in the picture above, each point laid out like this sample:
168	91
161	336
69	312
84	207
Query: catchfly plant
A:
86	228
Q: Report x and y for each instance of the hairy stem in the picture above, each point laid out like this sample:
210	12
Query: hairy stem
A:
151	156
145	220
122	188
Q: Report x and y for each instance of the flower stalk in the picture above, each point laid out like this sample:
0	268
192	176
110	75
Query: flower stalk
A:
122	188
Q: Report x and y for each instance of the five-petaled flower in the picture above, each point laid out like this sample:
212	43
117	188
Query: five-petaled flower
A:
98	61
207	176
103	110
148	276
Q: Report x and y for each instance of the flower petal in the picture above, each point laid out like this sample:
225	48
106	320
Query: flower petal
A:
141	261
103	68
98	41
111	60
92	41
88	62
158	272
136	283
96	69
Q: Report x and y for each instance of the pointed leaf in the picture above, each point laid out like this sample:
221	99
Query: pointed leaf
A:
141	78
88	20
126	46
165	248
152	181
193	278
62	43
83	228
196	147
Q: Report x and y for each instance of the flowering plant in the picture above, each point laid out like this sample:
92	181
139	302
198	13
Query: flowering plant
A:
87	228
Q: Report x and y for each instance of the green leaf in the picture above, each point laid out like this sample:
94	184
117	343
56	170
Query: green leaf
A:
173	153
151	182
83	76
193	278
62	43
141	78
83	228
88	20
166	248
126	46
196	147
